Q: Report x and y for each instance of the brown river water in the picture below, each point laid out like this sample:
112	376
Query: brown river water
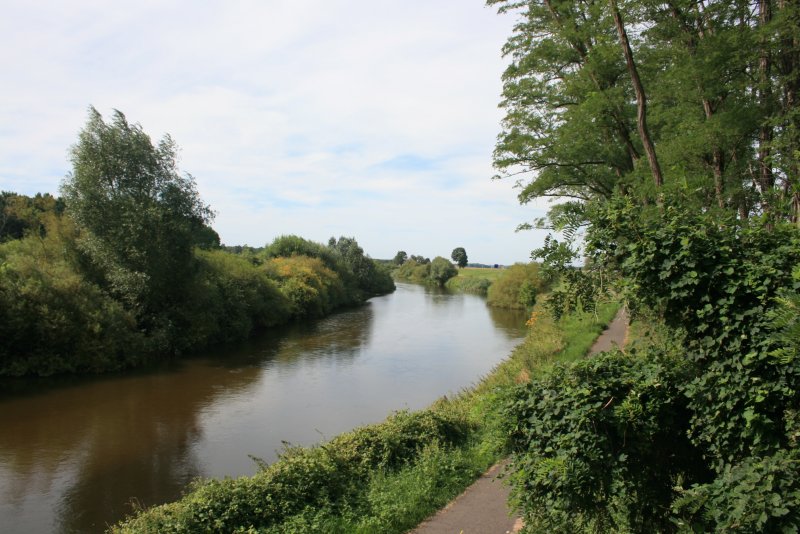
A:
76	453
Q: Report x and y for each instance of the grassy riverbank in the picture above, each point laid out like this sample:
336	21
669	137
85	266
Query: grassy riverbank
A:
385	477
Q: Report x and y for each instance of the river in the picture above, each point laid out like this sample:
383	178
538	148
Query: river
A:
75	453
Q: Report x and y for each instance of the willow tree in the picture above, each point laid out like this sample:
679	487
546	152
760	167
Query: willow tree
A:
139	216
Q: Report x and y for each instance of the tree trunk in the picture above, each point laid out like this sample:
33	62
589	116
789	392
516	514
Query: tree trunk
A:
641	97
583	51
789	66
766	177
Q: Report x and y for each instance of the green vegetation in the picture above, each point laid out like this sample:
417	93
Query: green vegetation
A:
21	215
400	258
126	270
678	147
436	272
473	280
459	255
379	478
441	271
517	287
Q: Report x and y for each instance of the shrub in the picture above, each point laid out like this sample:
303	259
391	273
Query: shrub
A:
413	271
441	271
311	288
360	275
230	299
517	287
601	444
479	286
52	320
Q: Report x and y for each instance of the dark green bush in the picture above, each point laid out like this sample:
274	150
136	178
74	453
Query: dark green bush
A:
479	286
441	270
601	444
413	271
230	298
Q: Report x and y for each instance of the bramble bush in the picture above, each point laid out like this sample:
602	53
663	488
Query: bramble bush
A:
601	444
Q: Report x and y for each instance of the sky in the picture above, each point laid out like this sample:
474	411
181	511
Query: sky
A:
374	120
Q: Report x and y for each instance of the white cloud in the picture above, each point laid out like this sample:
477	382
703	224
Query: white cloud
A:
324	117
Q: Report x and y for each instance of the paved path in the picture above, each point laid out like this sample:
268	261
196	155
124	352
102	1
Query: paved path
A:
614	335
483	507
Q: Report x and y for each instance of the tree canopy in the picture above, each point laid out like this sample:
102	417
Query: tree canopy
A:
139	216
713	85
459	255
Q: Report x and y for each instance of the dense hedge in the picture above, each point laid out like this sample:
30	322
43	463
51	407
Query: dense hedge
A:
437	272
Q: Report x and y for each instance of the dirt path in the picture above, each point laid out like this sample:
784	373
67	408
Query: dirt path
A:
483	507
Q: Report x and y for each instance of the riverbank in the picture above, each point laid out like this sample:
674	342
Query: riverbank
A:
379	478
59	317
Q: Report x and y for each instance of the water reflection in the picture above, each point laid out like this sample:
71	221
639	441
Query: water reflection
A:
73	454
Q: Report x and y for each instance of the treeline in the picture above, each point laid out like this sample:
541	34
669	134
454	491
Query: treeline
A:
674	130
125	269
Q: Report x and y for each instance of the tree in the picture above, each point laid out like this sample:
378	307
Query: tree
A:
719	127
459	256
719	120
139	217
369	277
400	258
441	270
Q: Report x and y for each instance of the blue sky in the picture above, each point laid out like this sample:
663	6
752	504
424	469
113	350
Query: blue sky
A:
319	118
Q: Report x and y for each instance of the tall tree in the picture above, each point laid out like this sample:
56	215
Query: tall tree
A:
720	106
137	214
641	97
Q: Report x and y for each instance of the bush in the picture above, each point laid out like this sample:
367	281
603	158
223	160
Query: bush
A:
413	271
479	286
601	444
312	289
437	272
360	275
53	321
441	271
517	287
230	298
